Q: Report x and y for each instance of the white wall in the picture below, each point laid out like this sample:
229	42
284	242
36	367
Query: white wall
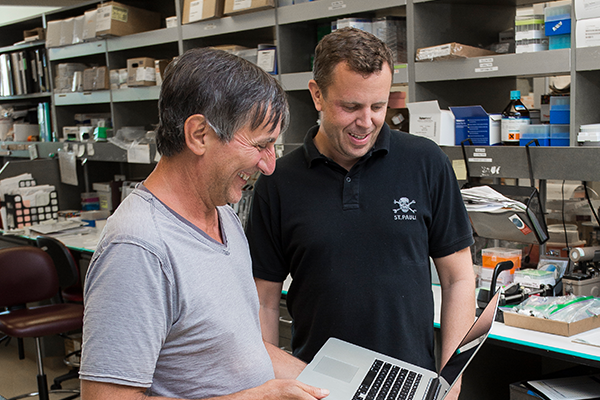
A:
15	13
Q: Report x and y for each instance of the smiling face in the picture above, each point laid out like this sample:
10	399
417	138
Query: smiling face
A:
353	110
237	160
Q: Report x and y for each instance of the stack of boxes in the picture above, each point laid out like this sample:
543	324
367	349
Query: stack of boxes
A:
109	19
558	25
557	132
391	30
490	258
530	33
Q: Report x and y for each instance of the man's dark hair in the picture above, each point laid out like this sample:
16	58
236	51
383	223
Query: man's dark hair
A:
363	52
229	91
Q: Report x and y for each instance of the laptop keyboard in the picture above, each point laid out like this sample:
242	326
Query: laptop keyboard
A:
385	381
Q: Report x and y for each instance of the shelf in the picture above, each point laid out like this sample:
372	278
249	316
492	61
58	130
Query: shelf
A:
77	50
568	163
136	94
299	80
296	81
69	99
143	39
238	23
22	46
587	59
543	63
32	96
330	9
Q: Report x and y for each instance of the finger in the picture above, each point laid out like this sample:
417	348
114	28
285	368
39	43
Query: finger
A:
317	393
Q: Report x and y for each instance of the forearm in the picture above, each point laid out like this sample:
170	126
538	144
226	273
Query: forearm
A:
269	324
458	299
285	365
276	389
457	315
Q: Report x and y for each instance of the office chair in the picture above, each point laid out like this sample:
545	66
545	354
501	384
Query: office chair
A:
66	267
70	292
28	275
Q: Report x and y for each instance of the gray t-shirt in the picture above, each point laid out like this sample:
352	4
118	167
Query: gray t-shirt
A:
171	309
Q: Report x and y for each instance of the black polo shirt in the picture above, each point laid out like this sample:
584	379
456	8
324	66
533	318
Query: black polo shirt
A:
357	243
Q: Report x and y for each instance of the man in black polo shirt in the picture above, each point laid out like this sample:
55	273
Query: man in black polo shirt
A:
354	215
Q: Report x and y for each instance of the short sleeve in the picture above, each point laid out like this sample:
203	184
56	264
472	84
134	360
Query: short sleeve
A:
128	312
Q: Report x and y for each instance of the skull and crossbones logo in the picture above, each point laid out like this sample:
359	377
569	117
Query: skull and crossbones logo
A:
404	205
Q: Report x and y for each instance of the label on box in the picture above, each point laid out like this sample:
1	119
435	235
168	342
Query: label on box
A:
103	18
241	4
434	52
145	74
119	14
196	10
266	60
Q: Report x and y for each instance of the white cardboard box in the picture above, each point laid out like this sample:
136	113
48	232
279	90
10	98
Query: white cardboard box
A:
587	32
585	9
426	119
89	25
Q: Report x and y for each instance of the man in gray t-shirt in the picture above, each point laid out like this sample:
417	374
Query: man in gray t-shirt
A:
171	309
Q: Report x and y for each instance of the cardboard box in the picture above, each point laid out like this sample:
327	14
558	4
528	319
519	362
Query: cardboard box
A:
199	10
34	34
116	19
141	72
426	119
587	33
587	9
550	326
78	24
450	51
96	78
473	122
171	22
53	33
89	25
233	7
66	31
159	70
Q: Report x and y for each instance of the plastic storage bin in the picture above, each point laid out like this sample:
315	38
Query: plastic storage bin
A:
533	278
557	20
539	132
560	135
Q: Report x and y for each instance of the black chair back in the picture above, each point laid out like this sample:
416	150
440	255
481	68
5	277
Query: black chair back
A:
68	274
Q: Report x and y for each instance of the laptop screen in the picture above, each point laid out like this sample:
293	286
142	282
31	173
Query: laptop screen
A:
471	342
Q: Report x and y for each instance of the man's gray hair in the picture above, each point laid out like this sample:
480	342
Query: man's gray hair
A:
229	91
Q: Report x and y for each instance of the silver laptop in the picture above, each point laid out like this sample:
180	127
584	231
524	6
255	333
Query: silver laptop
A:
351	372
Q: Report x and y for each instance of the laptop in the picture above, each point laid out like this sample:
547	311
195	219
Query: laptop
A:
351	372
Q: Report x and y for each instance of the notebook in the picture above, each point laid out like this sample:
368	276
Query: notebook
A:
351	372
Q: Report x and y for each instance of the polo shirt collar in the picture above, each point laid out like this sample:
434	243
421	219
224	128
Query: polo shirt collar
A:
312	154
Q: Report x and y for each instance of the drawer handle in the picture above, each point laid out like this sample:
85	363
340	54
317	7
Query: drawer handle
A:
285	321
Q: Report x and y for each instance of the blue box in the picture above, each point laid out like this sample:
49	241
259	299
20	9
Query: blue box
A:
558	25
560	114
473	122
531	132
560	135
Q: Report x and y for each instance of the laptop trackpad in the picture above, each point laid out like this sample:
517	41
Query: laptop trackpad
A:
336	369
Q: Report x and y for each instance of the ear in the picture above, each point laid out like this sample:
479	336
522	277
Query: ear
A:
196	131
316	93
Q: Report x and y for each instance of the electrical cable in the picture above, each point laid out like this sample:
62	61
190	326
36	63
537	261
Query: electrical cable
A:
587	196
563	218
